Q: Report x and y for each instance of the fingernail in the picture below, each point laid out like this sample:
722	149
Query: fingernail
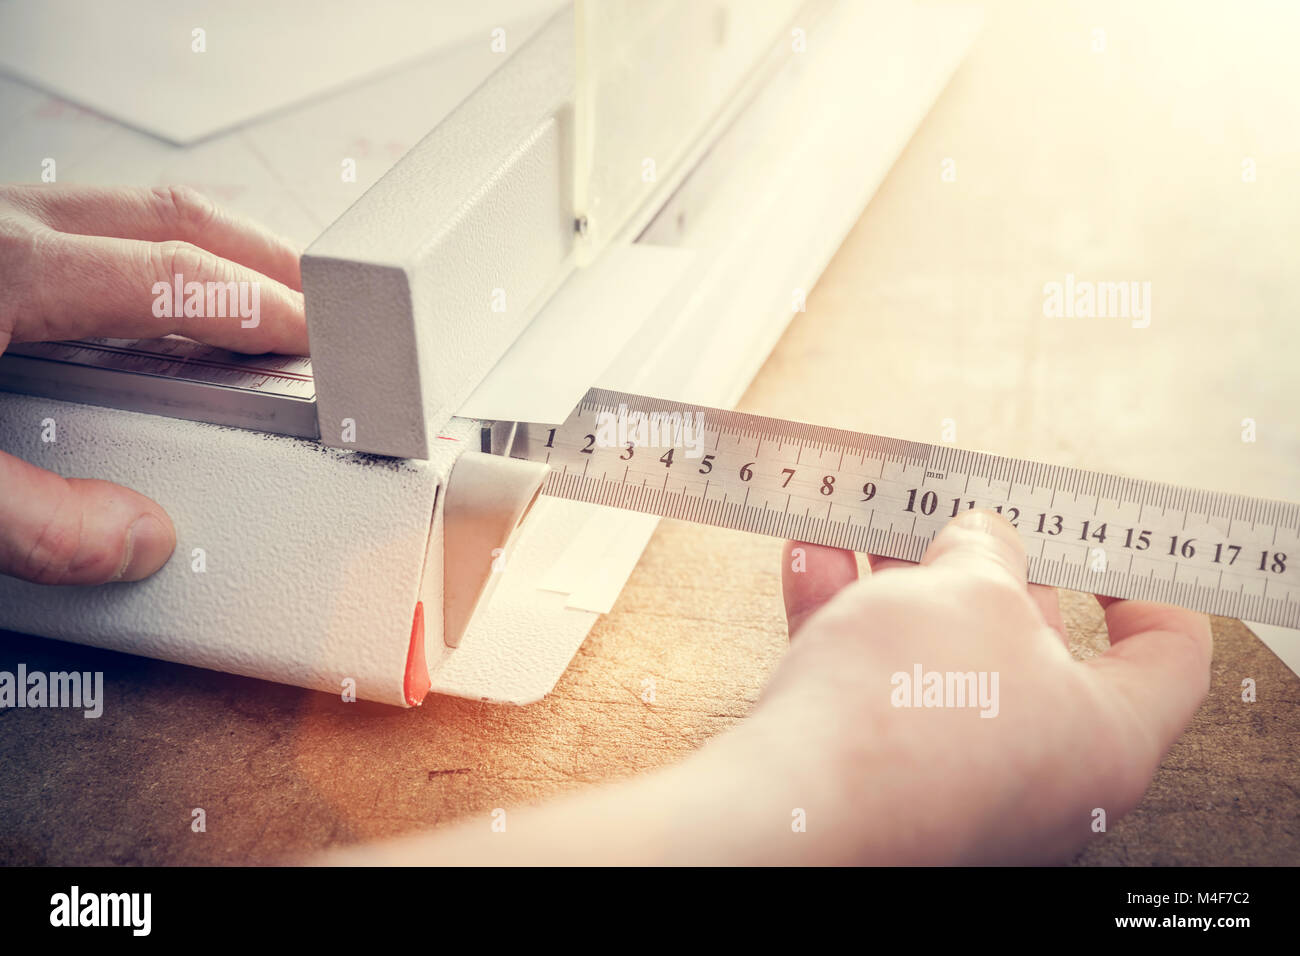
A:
149	543
976	521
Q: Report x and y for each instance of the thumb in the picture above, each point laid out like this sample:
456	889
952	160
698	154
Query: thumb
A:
983	543
56	530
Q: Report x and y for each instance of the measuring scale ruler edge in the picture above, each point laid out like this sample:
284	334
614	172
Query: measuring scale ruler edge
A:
1161	513
162	384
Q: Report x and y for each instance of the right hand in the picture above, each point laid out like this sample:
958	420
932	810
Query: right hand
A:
943	785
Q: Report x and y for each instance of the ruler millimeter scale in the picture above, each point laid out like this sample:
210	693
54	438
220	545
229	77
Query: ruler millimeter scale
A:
1215	552
170	376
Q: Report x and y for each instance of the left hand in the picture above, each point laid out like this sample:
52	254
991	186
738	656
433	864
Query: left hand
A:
78	262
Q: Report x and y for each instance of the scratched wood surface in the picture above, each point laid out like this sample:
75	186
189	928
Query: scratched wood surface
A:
1123	164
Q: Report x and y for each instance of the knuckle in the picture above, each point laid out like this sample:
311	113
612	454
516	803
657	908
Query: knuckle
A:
20	201
21	240
24	245
999	590
176	257
57	547
186	207
989	577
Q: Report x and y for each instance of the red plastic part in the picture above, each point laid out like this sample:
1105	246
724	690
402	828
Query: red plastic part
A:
416	683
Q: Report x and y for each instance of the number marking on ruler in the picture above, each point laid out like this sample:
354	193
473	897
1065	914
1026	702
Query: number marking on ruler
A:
1088	531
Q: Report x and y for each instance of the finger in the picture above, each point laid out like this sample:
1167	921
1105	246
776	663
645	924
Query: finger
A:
1048	600
162	213
56	530
1159	661
91	285
1125	619
878	563
812	574
981	543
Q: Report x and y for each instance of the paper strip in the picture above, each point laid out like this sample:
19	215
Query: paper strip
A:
1282	641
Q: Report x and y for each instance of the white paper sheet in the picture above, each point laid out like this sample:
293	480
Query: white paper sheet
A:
604	547
283	170
1282	641
258	57
600	587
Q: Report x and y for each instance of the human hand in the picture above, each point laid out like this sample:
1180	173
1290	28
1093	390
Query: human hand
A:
78	262
885	783
827	770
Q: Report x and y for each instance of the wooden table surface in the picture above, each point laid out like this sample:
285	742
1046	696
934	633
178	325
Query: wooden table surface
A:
1116	164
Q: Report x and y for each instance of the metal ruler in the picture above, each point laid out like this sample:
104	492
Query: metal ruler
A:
1209	551
170	376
